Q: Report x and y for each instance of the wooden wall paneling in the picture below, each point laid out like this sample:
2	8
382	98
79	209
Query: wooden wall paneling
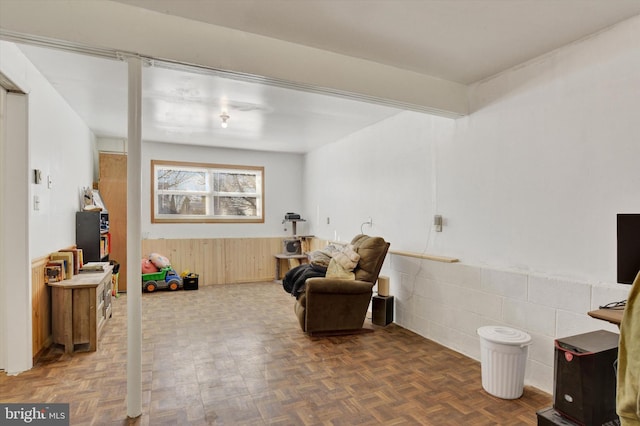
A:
214	257
251	259
153	246
40	307
205	257
178	251
113	189
220	260
317	244
194	258
236	259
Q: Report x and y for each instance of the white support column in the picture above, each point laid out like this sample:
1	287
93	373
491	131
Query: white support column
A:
134	295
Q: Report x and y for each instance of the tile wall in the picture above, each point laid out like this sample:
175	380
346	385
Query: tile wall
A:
448	302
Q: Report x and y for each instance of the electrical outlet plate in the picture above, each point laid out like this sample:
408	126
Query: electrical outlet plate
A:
437	223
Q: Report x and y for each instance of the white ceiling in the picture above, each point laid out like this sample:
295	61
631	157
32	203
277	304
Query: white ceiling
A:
185	107
458	40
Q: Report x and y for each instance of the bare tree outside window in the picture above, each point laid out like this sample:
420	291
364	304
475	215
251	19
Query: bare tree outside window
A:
193	192
231	188
171	181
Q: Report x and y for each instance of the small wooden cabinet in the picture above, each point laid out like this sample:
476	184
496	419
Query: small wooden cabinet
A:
81	306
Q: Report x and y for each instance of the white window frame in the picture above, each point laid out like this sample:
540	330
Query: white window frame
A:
210	216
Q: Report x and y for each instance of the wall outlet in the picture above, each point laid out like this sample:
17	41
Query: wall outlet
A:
437	223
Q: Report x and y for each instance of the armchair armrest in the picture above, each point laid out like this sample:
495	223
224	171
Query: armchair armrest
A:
337	286
331	304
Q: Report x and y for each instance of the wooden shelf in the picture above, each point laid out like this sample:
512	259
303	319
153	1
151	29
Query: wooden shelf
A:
425	256
614	316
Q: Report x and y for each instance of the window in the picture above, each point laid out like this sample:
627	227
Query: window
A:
194	192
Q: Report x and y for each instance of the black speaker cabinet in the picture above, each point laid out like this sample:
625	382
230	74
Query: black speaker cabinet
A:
585	377
382	307
628	247
551	417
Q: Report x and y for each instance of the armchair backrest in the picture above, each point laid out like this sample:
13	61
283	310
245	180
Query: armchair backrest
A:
372	251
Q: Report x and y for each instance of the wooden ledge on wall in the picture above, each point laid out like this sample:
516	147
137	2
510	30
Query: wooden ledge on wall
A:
425	256
318	243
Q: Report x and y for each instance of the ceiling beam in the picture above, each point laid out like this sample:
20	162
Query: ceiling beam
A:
120	27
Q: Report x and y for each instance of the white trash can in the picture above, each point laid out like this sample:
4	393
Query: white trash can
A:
503	358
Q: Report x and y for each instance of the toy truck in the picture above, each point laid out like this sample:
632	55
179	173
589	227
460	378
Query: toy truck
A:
166	278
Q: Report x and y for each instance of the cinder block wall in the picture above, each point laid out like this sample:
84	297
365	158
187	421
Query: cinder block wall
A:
448	302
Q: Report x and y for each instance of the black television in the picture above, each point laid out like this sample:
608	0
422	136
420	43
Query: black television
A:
628	247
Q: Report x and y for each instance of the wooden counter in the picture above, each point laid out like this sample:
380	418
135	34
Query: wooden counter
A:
80	307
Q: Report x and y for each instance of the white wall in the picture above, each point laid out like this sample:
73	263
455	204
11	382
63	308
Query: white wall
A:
60	145
283	191
384	172
529	185
52	138
547	159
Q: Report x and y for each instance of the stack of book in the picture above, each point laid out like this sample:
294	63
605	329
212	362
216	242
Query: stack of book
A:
94	267
63	264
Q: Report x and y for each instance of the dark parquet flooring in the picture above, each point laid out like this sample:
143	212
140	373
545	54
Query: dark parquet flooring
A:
235	355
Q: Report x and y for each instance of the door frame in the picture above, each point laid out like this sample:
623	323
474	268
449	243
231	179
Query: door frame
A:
16	345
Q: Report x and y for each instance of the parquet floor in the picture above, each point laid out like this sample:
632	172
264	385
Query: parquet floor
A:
235	355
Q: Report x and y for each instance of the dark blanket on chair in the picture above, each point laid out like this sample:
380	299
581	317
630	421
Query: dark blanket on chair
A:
294	280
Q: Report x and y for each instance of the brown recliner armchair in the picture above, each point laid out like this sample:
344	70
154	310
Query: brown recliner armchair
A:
339	306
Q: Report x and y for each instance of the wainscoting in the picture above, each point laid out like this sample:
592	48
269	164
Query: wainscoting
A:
448	302
40	306
220	260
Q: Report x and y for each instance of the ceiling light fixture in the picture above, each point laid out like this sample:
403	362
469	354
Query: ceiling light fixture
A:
224	116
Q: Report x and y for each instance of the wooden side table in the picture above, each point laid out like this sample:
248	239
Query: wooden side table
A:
292	260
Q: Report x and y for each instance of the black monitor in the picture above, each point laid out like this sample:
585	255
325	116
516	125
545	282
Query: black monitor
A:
628	247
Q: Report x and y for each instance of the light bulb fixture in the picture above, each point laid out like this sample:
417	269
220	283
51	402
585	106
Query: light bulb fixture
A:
224	116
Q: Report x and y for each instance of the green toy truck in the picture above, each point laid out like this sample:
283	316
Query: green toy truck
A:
165	279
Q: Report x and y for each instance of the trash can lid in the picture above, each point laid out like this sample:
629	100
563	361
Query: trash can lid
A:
505	335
